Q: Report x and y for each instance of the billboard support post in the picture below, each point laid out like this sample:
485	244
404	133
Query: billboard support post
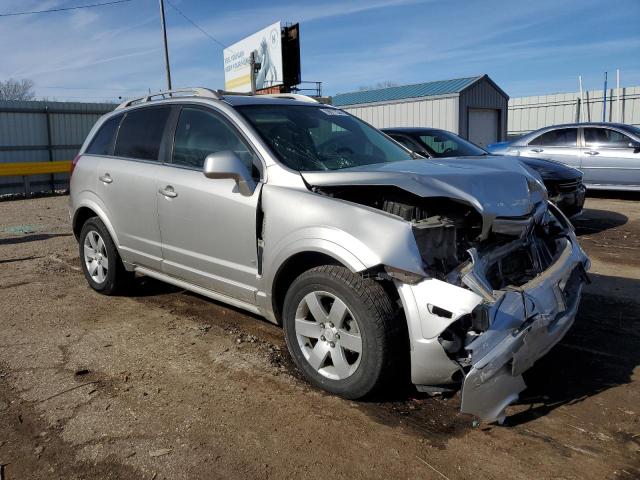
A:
166	48
253	69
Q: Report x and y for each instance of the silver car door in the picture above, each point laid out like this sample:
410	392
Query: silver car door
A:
208	227
127	185
559	144
608	159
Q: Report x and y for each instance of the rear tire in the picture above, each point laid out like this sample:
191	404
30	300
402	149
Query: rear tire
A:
343	331
100	260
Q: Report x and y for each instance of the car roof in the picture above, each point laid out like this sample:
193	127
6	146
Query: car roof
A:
586	124
409	130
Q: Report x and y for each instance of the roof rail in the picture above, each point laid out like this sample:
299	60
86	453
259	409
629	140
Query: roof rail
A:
193	92
208	93
293	96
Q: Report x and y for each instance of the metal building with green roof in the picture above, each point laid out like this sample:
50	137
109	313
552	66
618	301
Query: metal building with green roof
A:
473	107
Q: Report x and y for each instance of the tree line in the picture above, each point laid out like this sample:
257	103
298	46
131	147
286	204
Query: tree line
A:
13	89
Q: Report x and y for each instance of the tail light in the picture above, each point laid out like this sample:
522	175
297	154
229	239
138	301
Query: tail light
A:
73	165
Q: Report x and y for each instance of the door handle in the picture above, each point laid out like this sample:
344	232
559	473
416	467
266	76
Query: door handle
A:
592	152
168	192
537	150
106	178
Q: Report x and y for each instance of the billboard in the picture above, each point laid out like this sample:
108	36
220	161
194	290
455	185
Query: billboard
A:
291	55
267	43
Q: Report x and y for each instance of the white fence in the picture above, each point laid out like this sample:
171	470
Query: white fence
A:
530	113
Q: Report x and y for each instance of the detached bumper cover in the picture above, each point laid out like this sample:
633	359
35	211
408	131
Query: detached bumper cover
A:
525	323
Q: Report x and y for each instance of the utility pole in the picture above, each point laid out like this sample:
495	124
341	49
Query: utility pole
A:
581	101
166	48
619	107
604	99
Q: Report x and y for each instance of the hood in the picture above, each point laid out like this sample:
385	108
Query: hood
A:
495	186
550	169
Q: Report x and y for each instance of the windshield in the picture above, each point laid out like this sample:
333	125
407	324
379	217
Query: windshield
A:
446	144
308	138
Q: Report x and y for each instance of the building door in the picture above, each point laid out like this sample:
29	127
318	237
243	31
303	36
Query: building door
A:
483	126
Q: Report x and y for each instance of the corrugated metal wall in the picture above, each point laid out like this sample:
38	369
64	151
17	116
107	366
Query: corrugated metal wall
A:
530	113
437	112
483	95
43	131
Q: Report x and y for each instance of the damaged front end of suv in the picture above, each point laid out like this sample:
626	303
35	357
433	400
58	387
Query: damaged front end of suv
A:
500	278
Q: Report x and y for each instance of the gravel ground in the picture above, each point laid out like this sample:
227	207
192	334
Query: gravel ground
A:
164	384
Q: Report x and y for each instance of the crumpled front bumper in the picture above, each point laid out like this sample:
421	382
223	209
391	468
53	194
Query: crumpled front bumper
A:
525	322
571	202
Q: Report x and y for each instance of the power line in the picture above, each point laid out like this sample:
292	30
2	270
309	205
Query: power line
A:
196	25
15	14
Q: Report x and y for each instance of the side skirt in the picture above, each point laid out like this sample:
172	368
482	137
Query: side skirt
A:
199	290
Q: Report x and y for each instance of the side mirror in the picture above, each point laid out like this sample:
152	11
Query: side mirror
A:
226	164
635	146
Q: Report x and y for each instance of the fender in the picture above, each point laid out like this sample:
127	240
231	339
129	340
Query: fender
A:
90	200
372	236
301	244
333	243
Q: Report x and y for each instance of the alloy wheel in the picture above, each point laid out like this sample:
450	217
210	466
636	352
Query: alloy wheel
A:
328	335
95	256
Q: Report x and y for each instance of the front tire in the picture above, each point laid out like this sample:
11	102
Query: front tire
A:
100	260
342	331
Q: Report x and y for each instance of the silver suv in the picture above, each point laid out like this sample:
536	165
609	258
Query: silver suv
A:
375	263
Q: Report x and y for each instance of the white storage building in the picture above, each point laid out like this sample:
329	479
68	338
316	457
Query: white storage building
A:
474	107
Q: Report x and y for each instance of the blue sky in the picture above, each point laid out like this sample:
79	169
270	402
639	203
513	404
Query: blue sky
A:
528	47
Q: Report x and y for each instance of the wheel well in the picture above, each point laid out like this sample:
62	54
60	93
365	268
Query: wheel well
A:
292	269
82	215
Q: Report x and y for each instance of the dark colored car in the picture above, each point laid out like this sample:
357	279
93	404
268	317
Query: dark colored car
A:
564	184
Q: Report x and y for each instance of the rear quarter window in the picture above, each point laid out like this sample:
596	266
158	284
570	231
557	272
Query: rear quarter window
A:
102	143
140	133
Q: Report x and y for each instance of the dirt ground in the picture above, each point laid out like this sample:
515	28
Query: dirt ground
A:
164	384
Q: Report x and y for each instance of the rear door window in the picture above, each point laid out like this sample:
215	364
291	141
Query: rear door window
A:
102	143
140	133
562	137
604	137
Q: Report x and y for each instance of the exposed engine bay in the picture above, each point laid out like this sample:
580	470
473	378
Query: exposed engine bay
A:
446	230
